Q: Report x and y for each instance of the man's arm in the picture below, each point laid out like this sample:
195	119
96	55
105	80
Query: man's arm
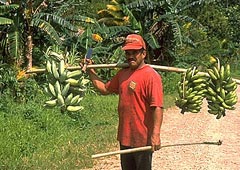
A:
157	113
97	82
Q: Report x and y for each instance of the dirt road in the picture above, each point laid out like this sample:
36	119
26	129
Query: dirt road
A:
193	128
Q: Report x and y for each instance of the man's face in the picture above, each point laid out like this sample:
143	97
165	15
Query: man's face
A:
135	58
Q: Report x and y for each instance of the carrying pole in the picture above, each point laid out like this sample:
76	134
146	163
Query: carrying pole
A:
121	65
146	148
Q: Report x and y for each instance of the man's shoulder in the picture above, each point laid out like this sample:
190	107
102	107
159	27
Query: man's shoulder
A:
150	70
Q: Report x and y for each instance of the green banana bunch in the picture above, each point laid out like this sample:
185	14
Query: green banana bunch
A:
221	90
191	90
64	87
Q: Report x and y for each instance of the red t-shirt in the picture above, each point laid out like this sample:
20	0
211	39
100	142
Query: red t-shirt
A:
138	90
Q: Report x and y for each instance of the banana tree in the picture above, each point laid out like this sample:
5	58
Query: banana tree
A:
117	16
6	22
164	21
29	20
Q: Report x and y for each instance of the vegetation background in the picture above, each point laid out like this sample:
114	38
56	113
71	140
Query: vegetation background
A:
178	33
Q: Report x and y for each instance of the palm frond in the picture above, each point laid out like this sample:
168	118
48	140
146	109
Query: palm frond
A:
143	4
151	41
48	28
83	19
177	32
5	21
14	44
108	13
190	19
113	21
188	41
198	2
134	23
116	31
55	19
7	8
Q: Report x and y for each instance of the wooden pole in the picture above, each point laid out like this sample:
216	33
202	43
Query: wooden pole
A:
146	148
121	65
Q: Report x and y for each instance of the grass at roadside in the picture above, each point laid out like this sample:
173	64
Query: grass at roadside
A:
32	137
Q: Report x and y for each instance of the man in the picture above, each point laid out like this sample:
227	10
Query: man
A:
140	105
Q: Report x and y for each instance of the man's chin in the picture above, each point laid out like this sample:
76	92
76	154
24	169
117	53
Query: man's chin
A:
133	66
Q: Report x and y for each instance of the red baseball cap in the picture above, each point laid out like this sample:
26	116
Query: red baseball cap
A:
134	42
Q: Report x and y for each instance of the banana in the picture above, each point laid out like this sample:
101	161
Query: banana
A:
51	103
68	99
191	89
188	73
61	67
79	100
51	89
219	98
193	110
74	108
180	102
200	80
84	81
71	74
222	93
231	101
188	91
219	115
74	100
226	106
60	100
230	86
46	90
214	112
227	70
193	106
211	91
57	87
235	87
199	87
54	70
48	67
196	98
213	106
202	92
76	90
198	76
73	82
63	76
191	96
222	69
211	74
230	95
216	72
65	89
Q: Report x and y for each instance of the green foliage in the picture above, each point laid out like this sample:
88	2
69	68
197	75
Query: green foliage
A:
8	23
21	91
34	137
170	80
7	77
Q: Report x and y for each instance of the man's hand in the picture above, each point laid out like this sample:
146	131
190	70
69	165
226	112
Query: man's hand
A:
156	142
87	59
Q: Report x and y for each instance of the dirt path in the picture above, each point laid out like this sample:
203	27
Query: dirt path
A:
192	128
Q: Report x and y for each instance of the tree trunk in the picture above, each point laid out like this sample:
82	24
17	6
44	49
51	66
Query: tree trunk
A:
29	36
29	51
